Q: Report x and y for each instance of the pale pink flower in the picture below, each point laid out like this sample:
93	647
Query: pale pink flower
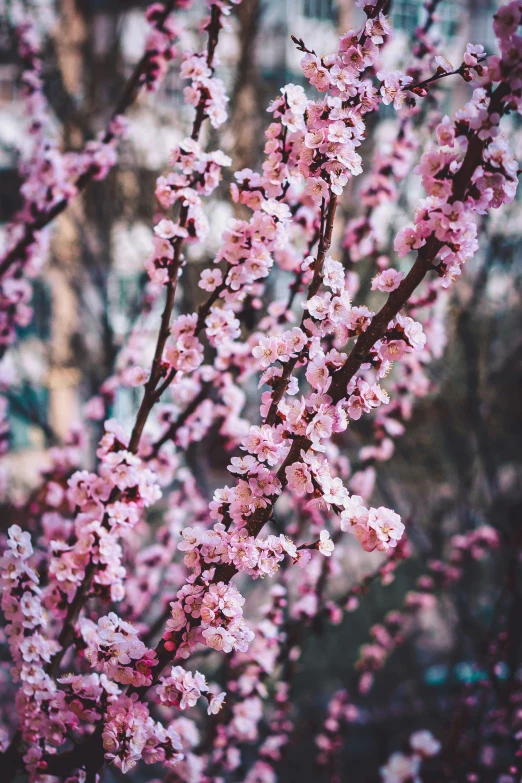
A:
265	351
299	478
387	526
424	742
354	513
316	188
326	546
394	350
401	769
387	281
318	306
216	703
210	279
218	639
407	240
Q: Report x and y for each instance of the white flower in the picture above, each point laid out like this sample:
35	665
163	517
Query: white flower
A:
401	768
215	703
326	545
424	742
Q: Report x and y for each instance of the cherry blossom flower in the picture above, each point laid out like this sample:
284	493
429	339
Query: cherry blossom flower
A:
326	546
299	478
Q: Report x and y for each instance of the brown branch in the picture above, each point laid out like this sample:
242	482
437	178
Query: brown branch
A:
440	74
191	408
324	246
204	308
423	264
152	392
66	636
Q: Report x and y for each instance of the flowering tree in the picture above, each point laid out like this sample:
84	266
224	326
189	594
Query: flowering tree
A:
110	615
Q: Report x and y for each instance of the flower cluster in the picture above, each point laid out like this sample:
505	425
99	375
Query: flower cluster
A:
130	734
113	647
161	47
246	686
257	556
108	505
376	528
31	645
446	218
329	741
217	608
182	689
199	174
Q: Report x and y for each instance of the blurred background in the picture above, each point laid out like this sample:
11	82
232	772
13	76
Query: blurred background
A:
457	466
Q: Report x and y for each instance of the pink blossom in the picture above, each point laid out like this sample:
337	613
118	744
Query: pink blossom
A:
218	639
299	478
326	545
387	526
400	768
394	350
210	279
265	351
407	240
316	188
387	281
318	305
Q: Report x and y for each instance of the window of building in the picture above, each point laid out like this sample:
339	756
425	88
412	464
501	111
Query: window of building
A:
41	302
408	14
319	9
172	88
8	82
28	408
